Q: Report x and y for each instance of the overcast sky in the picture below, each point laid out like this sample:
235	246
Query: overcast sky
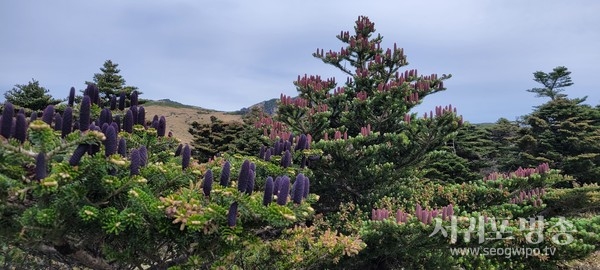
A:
231	54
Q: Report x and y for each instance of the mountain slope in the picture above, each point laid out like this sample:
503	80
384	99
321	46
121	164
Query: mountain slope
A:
180	116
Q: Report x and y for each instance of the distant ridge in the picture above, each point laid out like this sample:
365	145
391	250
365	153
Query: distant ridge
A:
268	106
171	103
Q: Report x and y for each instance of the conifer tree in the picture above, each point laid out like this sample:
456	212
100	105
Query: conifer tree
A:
31	96
565	133
553	82
366	128
110	82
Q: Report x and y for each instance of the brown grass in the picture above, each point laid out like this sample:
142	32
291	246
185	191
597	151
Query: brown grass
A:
179	120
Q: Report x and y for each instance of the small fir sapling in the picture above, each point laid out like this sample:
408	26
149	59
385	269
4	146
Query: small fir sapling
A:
134	168
178	150
244	177
40	166
128	122
268	196
122	98
122	149
143	155
298	189
162	127
225	174
232	214
7	116
71	98
208	181
186	156
110	144
48	114
284	190
58	122
84	113
67	122
21	128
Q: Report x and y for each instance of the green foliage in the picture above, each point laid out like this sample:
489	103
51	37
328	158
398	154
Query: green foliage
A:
553	82
30	96
96	213
111	83
364	128
565	133
218	137
412	244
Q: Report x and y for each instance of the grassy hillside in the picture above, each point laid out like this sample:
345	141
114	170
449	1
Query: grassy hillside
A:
180	116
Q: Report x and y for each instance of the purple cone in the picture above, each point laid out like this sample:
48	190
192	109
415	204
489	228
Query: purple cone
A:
186	156
21	128
84	113
78	154
225	174
134	168
284	191
7	116
71	97
67	122
232	214
40	166
122	149
208	181
48	114
244	177
128	122
268	197
110	144
298	189
162	127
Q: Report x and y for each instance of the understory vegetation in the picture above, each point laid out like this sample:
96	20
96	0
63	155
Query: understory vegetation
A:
345	175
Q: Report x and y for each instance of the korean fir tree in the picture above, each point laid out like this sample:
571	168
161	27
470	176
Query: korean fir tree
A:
112	192
366	128
564	131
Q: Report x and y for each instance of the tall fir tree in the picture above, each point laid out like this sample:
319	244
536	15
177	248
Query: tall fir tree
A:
565	133
553	82
371	141
110	82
